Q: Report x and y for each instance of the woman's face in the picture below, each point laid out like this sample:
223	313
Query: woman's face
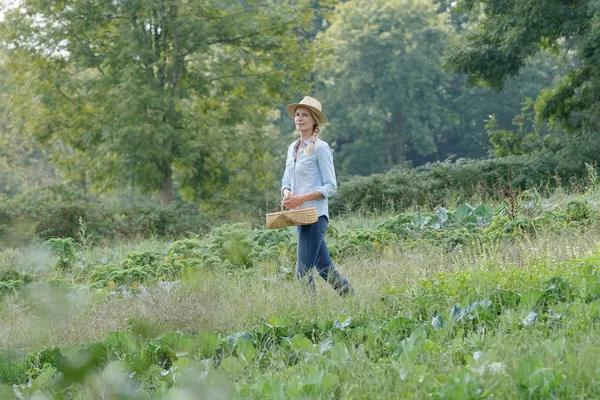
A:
303	120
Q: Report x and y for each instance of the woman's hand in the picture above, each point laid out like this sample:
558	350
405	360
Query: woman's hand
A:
292	200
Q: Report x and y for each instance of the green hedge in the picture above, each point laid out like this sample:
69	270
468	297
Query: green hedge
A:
63	211
443	182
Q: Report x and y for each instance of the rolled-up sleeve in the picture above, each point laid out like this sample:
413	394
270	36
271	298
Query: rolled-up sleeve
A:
286	181
325	159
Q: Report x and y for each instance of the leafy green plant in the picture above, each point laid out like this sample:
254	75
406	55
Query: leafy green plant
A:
136	268
360	240
233	244
64	251
12	281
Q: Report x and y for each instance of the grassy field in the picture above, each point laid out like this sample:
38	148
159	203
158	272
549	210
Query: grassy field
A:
473	302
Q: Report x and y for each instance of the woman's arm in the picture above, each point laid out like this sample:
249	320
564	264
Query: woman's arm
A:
325	159
286	181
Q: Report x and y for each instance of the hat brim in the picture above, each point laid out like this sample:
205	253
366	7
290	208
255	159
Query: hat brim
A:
291	110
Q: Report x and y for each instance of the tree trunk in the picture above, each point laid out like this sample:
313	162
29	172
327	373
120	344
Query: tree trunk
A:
395	140
398	132
166	187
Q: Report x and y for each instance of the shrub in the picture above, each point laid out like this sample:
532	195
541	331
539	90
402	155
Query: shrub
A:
580	210
54	211
443	182
146	217
58	211
136	268
12	281
232	243
64	251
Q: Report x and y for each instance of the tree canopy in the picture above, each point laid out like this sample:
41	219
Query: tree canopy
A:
184	98
22	162
140	92
383	85
505	34
389	99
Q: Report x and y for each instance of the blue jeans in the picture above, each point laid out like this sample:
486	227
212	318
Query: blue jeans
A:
313	253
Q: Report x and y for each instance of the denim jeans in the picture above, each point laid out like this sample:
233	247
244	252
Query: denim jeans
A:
313	253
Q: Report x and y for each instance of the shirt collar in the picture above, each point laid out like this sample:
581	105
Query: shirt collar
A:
309	140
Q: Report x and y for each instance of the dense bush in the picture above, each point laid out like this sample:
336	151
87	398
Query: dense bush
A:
67	211
438	183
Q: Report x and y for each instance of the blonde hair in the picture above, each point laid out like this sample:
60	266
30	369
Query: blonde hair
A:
315	135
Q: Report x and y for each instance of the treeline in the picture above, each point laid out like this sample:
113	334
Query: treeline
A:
179	104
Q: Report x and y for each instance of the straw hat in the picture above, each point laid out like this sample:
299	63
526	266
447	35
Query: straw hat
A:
310	103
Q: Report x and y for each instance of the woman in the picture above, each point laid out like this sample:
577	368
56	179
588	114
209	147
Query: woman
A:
309	181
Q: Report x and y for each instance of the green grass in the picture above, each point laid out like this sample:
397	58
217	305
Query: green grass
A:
513	317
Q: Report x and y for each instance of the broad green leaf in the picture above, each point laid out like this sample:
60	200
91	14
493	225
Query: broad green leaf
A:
233	365
207	344
272	388
300	342
245	349
340	353
530	299
281	322
437	322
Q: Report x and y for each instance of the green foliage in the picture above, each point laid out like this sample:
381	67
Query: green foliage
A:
508	34
232	244
273	244
388	99
64	251
60	211
443	182
137	268
359	241
12	276
382	85
577	213
236	247
445	334
581	211
22	162
149	93
227	248
451	341
145	217
448	228
12	281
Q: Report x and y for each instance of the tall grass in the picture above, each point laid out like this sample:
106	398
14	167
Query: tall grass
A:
46	316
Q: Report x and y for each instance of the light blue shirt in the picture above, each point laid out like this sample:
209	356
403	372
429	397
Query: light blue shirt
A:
311	172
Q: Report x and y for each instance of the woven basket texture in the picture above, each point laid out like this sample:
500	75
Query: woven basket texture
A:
302	216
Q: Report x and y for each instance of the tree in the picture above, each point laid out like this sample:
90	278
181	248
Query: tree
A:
474	106
506	34
145	92
383	88
22	162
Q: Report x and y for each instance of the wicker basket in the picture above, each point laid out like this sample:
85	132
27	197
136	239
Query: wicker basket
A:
302	216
